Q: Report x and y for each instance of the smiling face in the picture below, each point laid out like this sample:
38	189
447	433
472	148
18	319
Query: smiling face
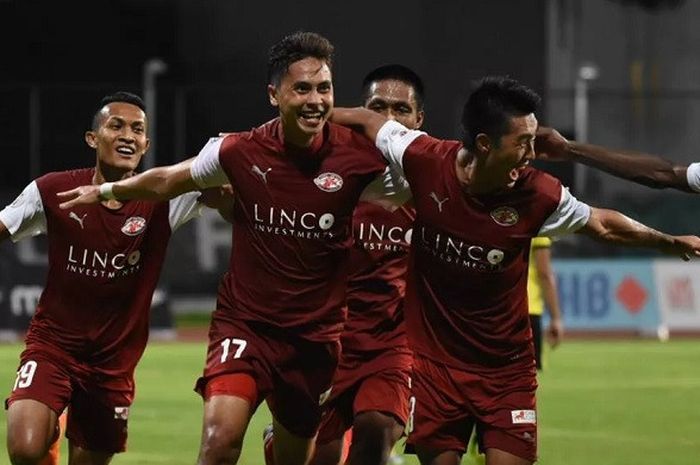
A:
304	97
396	100
120	138
506	158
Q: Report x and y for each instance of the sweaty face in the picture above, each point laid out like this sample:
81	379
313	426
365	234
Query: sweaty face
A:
507	159
304	97
120	140
396	100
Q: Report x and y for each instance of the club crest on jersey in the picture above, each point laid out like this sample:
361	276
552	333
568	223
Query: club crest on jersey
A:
505	216
134	226
329	182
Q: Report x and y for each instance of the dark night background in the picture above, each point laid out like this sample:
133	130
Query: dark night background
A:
67	55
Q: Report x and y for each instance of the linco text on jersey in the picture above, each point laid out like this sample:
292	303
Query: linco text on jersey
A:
285	222
99	264
457	251
382	237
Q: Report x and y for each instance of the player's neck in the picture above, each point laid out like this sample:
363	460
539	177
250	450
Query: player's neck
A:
473	175
109	174
301	142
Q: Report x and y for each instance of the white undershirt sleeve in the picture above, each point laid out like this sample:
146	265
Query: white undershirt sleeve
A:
392	140
693	175
25	216
206	169
184	208
570	216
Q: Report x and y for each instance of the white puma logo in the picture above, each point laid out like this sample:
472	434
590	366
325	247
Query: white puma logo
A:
77	218
261	173
439	202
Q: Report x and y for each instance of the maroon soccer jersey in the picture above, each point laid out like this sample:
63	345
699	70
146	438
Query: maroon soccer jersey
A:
466	302
103	267
378	262
291	224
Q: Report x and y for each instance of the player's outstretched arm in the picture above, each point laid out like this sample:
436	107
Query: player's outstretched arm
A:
612	226
369	121
160	183
649	170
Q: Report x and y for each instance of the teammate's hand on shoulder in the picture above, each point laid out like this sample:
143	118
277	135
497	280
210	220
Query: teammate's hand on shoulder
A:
550	145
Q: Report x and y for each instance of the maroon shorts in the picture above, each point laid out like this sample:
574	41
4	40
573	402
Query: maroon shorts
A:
99	404
448	403
291	373
381	384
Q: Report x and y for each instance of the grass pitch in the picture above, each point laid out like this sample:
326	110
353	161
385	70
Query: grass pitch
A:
603	403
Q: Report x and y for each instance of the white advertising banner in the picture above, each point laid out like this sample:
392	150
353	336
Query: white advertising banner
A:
678	291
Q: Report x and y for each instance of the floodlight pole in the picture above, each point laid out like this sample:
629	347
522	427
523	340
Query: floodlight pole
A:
586	72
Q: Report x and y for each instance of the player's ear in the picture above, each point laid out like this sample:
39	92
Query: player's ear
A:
420	119
272	94
91	139
482	143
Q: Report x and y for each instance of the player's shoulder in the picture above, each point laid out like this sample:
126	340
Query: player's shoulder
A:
62	180
540	242
539	182
266	134
434	147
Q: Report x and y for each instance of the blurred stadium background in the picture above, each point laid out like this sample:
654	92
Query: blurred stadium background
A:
620	73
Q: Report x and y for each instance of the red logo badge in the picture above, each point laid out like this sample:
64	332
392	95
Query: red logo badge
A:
134	226
329	182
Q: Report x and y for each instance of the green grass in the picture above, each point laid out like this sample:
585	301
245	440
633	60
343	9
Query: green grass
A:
603	403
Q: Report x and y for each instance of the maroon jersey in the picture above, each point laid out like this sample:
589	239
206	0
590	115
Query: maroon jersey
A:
291	224
103	268
466	302
377	283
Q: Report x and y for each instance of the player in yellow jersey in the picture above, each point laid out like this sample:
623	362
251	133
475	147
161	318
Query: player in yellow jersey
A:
541	294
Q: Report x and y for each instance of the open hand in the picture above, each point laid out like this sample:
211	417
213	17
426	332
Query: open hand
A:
82	195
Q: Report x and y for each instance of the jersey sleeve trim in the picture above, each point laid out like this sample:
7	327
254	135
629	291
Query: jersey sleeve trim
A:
693	175
183	208
392	140
25	216
569	216
206	168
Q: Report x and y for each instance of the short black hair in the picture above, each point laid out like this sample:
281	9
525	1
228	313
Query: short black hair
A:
121	96
295	47
398	73
490	106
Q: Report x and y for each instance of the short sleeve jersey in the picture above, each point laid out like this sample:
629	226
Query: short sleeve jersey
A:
378	263
104	265
291	224
466	298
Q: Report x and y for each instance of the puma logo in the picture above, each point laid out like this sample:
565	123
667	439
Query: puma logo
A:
74	216
439	202
261	173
